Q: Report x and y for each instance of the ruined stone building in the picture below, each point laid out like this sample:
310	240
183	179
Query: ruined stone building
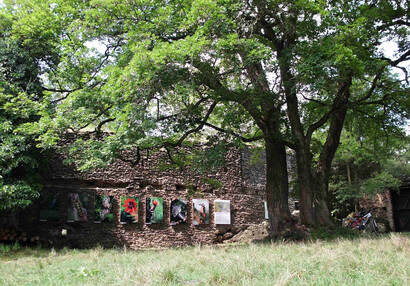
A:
115	205
146	205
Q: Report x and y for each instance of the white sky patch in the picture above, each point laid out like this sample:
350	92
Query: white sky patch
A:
99	46
390	50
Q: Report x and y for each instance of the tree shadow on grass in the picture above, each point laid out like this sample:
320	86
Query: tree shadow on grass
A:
322	234
337	233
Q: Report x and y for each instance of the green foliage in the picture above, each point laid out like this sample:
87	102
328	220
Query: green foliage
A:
201	159
215	184
192	189
398	165
19	178
256	156
90	154
8	249
367	163
27	52
374	184
210	158
379	182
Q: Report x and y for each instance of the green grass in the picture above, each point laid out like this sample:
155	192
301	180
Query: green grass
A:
361	261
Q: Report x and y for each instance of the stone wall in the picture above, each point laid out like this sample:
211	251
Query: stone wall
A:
392	207
254	167
147	180
383	208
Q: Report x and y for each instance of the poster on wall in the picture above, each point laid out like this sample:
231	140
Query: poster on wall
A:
154	210
178	211
103	208
266	210
77	209
201	211
222	212
50	207
129	210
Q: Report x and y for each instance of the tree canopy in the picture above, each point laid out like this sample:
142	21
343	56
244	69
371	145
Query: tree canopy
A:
20	95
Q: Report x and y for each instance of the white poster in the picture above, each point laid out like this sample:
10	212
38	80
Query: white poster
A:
222	212
266	210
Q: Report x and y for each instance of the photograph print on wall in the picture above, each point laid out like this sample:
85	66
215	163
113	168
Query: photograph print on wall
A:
129	210
50	207
104	208
222	212
77	210
154	210
266	210
201	211
178	211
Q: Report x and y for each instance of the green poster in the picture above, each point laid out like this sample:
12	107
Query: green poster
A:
154	210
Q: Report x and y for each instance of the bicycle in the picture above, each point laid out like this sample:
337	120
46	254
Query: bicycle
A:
363	221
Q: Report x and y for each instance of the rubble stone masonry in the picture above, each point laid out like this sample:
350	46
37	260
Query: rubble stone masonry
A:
147	179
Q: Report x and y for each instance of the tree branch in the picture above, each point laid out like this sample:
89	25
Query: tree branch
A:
402	58
198	128
100	125
133	163
212	82
244	139
372	87
339	105
201	100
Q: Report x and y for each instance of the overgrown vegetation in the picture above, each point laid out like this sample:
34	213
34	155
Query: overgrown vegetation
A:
20	106
368	161
358	261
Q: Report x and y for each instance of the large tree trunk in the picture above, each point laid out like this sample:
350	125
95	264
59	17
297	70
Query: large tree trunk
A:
303	160
302	144
303	155
329	150
277	186
321	202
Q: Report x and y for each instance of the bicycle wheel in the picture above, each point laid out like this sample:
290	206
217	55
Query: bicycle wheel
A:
375	227
371	226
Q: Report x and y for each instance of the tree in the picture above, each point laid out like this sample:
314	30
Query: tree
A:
26	55
372	147
275	71
20	91
324	50
171	80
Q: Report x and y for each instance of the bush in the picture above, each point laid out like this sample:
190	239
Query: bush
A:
8	248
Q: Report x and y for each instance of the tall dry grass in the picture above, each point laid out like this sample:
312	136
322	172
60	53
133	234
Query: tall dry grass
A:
361	261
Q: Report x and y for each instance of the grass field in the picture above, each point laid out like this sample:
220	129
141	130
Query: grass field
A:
361	261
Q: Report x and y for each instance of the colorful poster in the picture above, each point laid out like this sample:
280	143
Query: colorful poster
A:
222	212
77	209
104	208
129	210
50	207
154	211
178	211
201	212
